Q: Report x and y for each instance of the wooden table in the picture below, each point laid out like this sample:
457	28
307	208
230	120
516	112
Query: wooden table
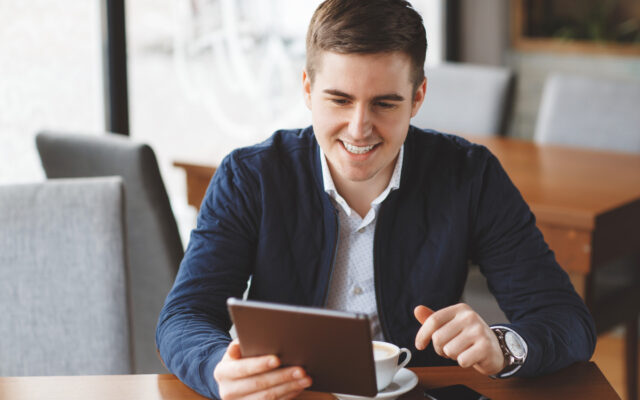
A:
580	381
586	202
587	205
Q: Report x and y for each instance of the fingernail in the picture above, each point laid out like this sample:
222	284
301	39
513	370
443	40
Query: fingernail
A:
273	362
297	374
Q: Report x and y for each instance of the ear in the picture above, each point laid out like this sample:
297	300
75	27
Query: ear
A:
306	88
419	97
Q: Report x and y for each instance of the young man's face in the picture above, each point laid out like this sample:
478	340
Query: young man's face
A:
361	106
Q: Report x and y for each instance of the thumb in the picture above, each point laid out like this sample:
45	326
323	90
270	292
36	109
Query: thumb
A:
422	313
233	351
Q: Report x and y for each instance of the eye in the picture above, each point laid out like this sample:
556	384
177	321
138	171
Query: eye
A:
340	102
384	104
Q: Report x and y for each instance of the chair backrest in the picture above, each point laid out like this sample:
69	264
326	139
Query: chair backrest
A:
464	98
153	241
590	112
63	279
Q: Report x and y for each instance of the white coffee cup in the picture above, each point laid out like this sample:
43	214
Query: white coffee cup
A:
385	357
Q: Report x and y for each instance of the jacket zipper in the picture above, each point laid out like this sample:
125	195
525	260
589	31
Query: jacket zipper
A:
333	258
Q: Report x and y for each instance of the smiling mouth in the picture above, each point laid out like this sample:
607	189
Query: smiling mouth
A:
357	149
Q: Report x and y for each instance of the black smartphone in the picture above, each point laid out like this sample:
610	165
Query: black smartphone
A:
454	392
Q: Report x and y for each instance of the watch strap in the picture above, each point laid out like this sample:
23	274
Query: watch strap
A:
513	363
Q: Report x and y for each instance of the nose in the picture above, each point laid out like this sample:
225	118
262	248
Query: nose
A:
360	126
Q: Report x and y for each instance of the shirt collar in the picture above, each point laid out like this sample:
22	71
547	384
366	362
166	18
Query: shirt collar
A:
330	187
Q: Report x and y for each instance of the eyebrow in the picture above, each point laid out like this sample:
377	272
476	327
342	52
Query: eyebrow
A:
388	97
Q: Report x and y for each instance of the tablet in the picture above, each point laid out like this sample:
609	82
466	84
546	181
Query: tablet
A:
333	347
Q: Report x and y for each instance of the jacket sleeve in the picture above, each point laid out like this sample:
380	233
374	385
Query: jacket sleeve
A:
193	327
522	273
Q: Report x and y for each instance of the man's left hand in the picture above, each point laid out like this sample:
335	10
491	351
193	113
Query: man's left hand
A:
459	333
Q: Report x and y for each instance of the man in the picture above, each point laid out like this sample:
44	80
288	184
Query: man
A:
363	212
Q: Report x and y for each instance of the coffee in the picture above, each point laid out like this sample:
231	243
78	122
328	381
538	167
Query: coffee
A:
382	351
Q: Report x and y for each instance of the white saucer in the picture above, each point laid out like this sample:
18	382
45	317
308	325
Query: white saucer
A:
404	381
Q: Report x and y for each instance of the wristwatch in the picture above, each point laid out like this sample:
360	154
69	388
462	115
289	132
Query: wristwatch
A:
513	348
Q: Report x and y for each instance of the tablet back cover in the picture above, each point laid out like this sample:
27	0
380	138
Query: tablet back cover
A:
333	347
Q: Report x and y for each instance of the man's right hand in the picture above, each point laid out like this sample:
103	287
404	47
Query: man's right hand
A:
257	377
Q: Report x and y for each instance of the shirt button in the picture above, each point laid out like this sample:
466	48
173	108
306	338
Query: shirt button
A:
357	290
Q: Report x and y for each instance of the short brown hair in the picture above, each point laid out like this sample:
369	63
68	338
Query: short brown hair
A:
367	27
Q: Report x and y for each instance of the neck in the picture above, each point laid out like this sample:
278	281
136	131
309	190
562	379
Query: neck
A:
360	194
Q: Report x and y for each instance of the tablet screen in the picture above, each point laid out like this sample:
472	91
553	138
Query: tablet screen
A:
333	347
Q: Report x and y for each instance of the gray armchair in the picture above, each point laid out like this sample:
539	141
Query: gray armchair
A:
154	245
468	99
63	279
590	112
603	114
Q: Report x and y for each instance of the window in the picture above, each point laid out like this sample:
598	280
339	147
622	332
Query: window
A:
50	77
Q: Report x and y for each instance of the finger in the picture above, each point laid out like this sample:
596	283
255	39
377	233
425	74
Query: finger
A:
482	358
423	337
490	360
422	313
287	390
444	335
466	324
456	345
432	324
471	356
245	367
291	378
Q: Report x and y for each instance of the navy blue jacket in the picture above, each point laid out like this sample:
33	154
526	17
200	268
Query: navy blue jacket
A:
266	216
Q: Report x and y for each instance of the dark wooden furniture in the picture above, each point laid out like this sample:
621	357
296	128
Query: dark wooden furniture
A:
579	381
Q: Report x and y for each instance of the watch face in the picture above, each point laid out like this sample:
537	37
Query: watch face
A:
514	345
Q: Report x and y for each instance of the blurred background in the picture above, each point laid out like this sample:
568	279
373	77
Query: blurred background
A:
197	78
206	76
202	77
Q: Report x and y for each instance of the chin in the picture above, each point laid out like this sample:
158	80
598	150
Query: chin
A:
358	176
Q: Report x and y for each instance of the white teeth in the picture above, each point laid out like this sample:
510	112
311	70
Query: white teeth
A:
357	150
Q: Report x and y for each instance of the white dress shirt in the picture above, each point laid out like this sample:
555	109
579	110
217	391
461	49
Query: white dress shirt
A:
352	285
